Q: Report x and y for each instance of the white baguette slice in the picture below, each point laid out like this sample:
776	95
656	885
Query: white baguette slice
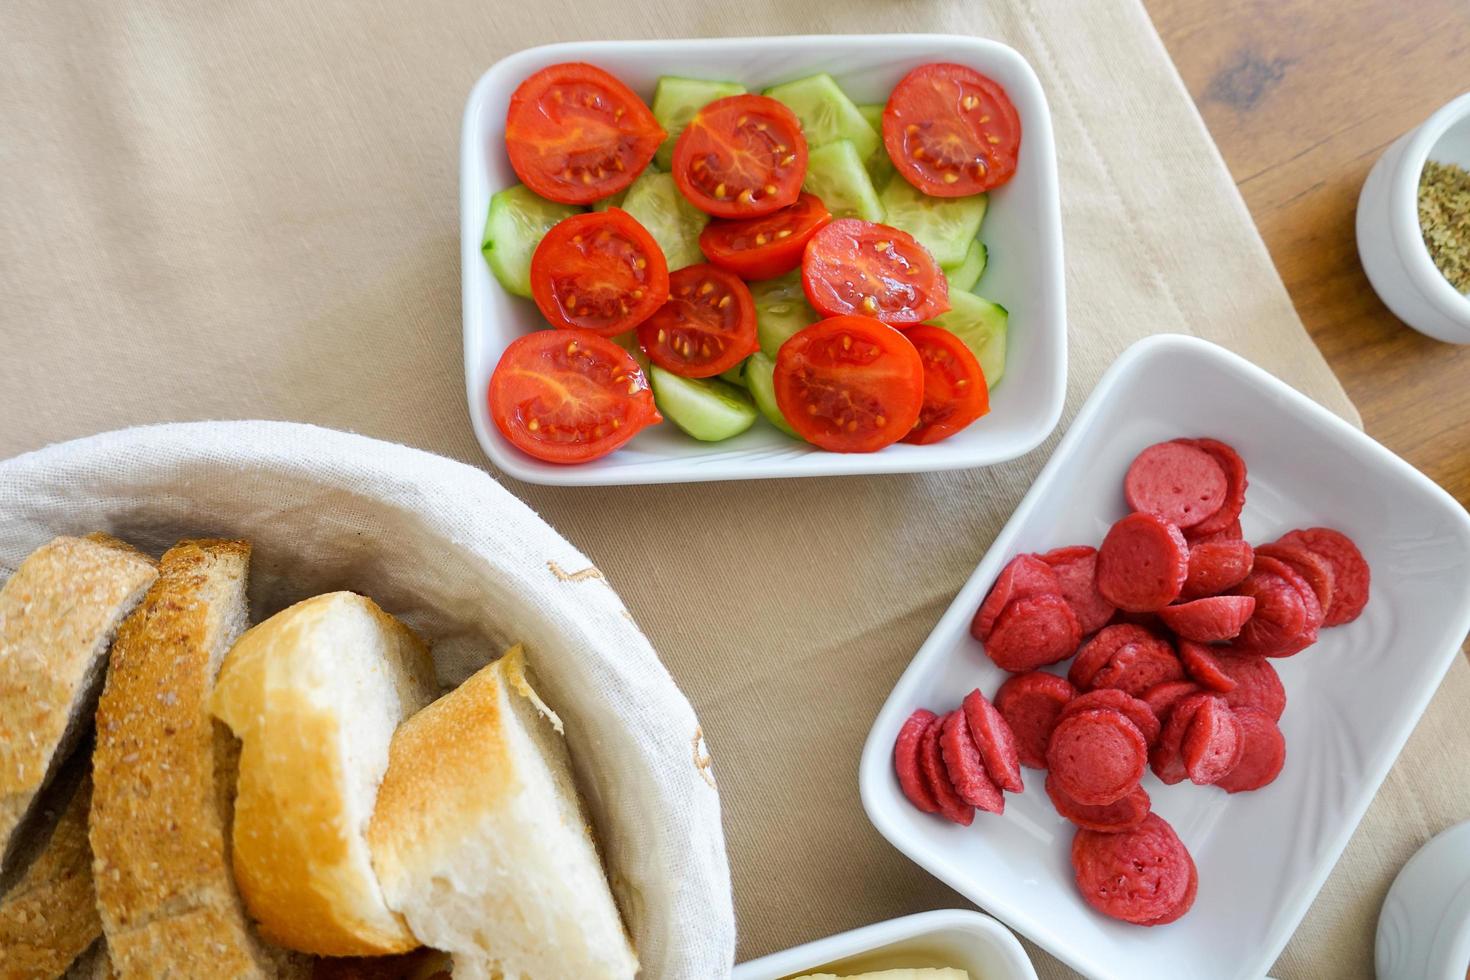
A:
163	774
58	614
314	694
49	917
480	841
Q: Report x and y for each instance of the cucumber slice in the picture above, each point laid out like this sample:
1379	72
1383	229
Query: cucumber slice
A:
736	375
944	225
707	408
880	168
514	226
836	174
674	223
962	278
760	372
676	100
781	310
982	325
826	113
612	200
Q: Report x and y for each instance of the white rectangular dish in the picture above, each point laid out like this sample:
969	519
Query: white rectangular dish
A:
1022	228
957	938
1353	698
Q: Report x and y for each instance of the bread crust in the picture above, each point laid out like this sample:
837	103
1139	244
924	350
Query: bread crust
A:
49	918
163	781
302	866
58	614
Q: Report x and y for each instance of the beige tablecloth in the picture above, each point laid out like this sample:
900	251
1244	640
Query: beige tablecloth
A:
249	210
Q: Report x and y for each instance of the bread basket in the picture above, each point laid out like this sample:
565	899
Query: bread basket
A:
469	566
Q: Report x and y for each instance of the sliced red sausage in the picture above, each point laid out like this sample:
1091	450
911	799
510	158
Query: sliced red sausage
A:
1023	576
1213	745
1166	758
1096	756
1273	566
995	740
1280	621
1161	699
906	761
1034	632
1030	704
1312	567
1142	564
1264	754
1201	664
1116	817
1177	481
1112	699
1217	617
1185	903
936	777
1351	576
965	767
1096	653
1076	569
1231	533
1235	477
1138	667
1257	684
1141	875
1216	566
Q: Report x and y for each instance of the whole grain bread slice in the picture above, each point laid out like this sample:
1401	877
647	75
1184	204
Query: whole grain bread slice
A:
58	615
164	781
48	918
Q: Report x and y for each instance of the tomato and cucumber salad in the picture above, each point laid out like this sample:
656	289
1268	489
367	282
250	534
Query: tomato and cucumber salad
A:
726	255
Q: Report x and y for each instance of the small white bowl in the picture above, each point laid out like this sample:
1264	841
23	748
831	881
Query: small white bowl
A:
1390	243
1424	928
956	938
1353	698
1023	228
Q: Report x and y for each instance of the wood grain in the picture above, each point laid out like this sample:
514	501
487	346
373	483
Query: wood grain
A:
1302	96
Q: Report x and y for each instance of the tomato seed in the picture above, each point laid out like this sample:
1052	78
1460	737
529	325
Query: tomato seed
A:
761	238
992	140
706	288
770	188
788	160
720	190
970	102
784	233
951	178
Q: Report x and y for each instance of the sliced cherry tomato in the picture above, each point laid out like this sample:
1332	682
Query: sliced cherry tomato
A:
849	384
707	325
858	267
951	131
576	134
567	396
955	393
740	157
764	247
600	271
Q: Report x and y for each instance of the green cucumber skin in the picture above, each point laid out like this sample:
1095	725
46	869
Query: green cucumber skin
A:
515	223
655	202
944	225
826	113
963	277
676	100
983	326
736	375
707	409
835	173
781	309
880	168
760	372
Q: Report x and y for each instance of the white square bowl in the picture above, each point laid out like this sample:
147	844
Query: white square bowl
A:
957	938
1023	229
1353	698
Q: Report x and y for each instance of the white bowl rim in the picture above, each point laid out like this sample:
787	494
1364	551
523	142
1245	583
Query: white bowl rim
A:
1404	213
816	954
513	463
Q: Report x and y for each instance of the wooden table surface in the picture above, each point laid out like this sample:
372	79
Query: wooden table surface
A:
1302	96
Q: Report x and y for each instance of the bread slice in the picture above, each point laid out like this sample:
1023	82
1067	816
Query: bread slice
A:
480	842
163	775
314	693
58	614
49	917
